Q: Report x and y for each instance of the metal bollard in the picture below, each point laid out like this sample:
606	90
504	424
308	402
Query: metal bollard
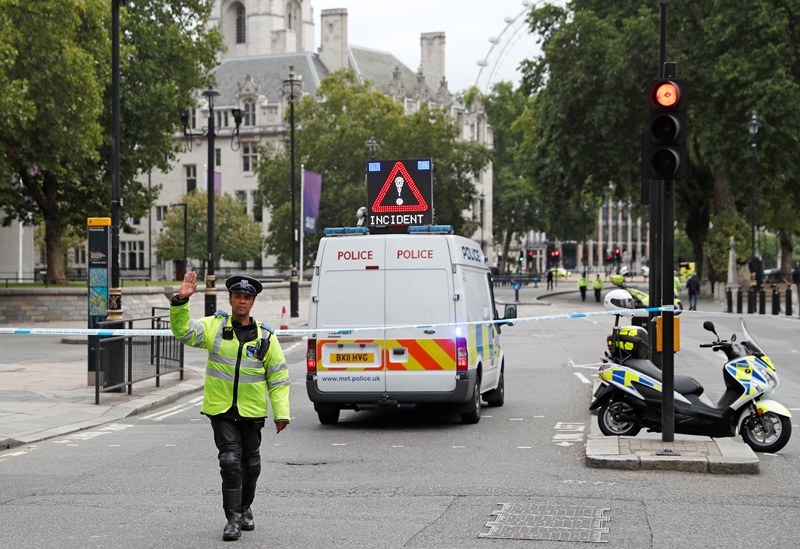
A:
738	301
776	300
762	301
751	300
788	300
729	299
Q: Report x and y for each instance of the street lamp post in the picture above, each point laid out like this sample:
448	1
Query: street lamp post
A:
372	145
185	234
115	292
752	126
483	204
210	94
294	305
211	290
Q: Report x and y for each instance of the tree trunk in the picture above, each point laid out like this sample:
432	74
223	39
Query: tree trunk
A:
506	248
55	253
723	192
785	237
53	230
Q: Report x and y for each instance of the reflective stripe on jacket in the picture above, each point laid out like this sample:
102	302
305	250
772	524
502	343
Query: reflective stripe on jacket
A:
233	371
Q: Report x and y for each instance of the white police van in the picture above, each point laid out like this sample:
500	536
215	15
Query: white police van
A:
427	304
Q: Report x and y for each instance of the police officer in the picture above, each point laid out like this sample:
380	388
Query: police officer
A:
245	363
583	284
597	284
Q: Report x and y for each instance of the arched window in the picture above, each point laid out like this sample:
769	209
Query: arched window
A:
293	16
241	29
249	118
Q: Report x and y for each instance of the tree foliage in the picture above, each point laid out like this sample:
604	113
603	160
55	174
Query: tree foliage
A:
331	137
237	237
588	107
56	144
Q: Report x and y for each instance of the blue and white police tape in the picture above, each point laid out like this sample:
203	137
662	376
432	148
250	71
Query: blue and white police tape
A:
105	332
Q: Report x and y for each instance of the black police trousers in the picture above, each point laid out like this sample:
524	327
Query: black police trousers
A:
238	442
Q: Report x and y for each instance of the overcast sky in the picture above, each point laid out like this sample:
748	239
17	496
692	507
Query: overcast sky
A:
395	26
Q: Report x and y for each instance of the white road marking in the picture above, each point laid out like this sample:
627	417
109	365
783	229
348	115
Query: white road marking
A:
524	447
590	366
582	378
182	409
459	446
339	444
516	419
397	446
113	445
563	444
162	411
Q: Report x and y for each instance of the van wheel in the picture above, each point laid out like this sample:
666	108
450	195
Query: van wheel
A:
497	396
328	414
474	414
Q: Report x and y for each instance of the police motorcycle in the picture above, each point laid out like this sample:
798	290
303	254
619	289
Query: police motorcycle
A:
629	397
641	300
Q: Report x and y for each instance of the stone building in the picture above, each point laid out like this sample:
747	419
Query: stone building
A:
263	40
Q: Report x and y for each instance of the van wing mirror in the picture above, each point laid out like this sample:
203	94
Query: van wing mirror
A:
510	311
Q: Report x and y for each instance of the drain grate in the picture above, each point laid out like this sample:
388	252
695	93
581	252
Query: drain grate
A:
549	522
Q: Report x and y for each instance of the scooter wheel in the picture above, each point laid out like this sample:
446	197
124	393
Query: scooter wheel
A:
768	433
611	422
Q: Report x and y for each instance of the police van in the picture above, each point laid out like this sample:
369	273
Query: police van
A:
425	327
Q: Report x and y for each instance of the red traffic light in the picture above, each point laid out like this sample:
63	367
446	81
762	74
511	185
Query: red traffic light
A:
665	94
530	253
616	251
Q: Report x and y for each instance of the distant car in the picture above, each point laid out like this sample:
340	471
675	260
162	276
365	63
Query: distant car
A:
560	272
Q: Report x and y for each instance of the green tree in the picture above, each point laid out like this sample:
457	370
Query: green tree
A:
331	134
237	237
589	104
57	140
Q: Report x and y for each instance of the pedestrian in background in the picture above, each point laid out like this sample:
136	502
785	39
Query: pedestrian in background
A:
583	285
550	279
245	364
693	287
597	284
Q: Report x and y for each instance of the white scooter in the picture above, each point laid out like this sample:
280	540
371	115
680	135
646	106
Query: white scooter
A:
630	395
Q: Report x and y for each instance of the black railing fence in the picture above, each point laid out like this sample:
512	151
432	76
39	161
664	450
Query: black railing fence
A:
124	360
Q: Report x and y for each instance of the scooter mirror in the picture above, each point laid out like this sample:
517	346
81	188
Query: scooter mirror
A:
733	338
709	326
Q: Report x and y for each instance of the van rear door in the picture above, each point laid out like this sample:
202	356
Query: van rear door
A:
419	292
351	295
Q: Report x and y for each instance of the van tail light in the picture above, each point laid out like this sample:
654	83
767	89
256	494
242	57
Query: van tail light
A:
462	356
311	355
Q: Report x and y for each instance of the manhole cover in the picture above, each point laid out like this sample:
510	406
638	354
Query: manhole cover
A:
549	522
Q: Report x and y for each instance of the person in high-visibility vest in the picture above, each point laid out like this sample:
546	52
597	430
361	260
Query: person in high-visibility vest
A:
597	284
245	364
583	284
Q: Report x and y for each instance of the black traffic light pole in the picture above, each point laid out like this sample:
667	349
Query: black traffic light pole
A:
666	198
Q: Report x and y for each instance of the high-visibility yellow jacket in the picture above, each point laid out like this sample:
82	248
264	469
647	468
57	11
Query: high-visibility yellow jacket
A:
582	282
234	375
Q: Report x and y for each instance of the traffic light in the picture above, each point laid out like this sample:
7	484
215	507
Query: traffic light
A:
665	156
617	253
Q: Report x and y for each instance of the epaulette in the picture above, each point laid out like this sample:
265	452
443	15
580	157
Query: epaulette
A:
266	327
222	314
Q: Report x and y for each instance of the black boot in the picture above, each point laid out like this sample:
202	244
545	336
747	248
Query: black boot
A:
247	519
232	503
233	530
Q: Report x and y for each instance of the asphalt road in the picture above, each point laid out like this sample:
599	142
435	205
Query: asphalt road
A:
416	479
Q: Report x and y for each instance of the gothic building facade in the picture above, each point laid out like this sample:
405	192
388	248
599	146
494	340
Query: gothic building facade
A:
263	40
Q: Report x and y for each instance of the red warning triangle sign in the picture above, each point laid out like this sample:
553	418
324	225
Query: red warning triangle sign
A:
421	204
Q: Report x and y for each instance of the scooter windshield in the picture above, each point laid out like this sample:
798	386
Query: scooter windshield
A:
746	337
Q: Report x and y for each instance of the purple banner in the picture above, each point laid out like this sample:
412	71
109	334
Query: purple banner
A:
217	182
312	190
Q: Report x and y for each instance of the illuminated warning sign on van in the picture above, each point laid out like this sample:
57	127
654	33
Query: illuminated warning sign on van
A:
400	192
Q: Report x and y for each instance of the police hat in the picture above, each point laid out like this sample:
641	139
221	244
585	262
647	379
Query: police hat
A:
243	284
